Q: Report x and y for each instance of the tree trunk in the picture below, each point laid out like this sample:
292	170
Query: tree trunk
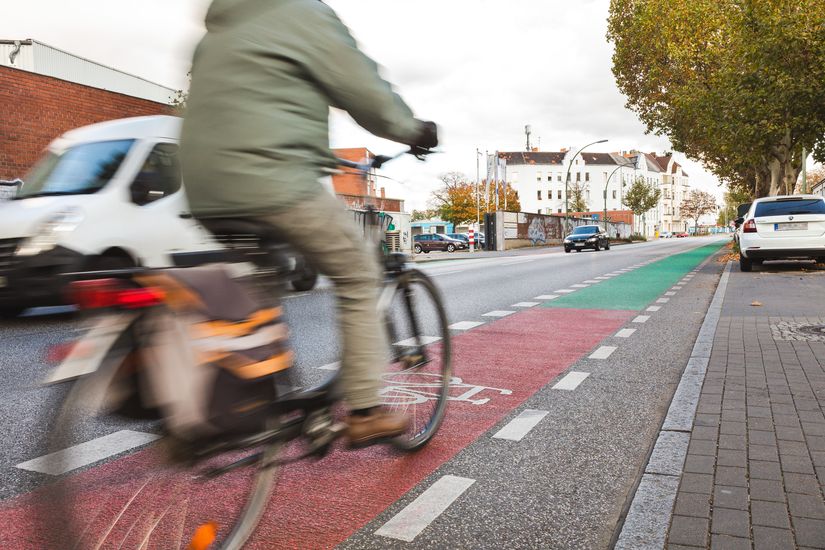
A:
784	167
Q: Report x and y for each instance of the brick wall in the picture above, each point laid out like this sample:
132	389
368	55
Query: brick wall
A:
35	109
351	181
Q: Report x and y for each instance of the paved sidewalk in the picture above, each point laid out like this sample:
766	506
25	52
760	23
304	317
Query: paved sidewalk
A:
755	467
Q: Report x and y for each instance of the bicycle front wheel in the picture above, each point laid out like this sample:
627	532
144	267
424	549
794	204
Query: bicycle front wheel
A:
418	380
152	498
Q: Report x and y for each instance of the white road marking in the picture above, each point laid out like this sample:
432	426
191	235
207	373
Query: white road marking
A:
413	342
525	304
517	428
331	366
641	319
546	297
565	291
571	381
670	293
625	333
579	285
591	282
602	278
417	515
654	308
88	452
677	287
498	313
465	325
603	352
662	300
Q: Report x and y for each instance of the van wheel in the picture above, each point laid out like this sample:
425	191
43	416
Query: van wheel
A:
417	249
745	264
10	312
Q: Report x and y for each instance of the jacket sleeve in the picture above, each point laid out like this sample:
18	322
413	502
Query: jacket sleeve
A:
351	79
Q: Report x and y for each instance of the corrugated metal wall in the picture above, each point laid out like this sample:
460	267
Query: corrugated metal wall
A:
46	60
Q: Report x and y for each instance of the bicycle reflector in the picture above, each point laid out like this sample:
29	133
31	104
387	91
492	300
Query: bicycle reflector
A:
103	293
749	227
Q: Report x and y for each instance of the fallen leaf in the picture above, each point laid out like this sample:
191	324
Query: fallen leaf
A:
756	304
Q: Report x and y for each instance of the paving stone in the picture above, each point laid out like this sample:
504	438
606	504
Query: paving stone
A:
816	443
758	469
733	428
797	448
766	489
729	457
704	432
730	522
729	475
759	437
702	447
707	420
789	433
797	464
688	530
771	538
730	497
696	483
692	504
770	514
809	532
735	442
760	424
726	542
701	464
806	506
763	452
818	458
801	483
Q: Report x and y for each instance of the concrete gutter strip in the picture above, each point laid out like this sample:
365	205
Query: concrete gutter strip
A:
648	519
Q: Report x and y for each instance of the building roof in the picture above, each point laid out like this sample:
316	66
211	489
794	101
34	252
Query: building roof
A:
37	57
516	158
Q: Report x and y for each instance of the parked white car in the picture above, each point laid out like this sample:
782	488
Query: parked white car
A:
783	227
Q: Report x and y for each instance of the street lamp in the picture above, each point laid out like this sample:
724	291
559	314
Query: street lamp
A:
619	167
567	179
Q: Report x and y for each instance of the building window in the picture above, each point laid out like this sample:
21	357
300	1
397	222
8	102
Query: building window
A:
604	175
559	210
614	193
587	194
538	176
549	177
559	194
538	196
578	176
559	176
587	176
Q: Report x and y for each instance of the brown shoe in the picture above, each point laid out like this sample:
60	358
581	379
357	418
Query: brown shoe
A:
379	425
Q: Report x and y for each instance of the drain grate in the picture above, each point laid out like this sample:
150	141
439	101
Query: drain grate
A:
805	332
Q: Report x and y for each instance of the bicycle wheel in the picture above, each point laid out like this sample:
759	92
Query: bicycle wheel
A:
148	498
418	379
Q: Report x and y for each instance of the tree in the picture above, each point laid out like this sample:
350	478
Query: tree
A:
507	197
733	199
814	176
577	202
641	196
697	204
736	85
455	201
420	215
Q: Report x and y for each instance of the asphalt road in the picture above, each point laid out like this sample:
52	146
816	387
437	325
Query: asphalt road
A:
564	485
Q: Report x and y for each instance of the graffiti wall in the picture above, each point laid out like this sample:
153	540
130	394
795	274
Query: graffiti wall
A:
539	229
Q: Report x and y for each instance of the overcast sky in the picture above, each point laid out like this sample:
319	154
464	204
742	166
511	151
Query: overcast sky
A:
482	69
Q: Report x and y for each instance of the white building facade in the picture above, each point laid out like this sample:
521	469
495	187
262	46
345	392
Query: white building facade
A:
539	179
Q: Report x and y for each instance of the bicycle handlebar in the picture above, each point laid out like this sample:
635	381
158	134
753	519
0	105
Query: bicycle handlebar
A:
380	160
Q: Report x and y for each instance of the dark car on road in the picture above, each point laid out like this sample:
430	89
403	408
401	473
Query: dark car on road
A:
465	238
436	241
587	236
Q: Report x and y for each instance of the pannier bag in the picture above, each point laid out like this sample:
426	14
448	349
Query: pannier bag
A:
215	355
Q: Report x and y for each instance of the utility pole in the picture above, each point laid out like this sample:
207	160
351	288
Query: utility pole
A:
567	181
804	187
489	175
478	182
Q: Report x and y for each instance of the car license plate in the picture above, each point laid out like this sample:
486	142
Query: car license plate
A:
579	244
795	226
3	282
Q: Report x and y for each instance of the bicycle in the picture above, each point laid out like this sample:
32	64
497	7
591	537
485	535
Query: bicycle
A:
163	497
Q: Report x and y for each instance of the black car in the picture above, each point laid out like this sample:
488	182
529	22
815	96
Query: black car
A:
587	236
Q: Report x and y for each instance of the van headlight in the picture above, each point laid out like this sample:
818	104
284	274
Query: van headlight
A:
50	232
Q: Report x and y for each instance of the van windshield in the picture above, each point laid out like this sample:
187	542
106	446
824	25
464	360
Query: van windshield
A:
82	169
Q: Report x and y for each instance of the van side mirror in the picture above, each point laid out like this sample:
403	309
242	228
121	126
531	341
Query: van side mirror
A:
147	187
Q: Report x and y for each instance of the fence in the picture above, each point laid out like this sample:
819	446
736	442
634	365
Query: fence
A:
522	229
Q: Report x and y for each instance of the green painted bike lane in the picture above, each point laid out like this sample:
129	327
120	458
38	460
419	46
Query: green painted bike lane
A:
636	289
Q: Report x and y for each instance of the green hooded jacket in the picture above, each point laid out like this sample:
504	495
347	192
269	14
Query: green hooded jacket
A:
255	135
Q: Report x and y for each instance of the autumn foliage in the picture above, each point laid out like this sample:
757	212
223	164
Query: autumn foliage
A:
456	201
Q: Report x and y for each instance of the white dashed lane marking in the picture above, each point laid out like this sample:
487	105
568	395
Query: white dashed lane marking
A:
331	366
670	293
625	333
417	515
565	291
654	308
465	325
517	428
525	304
579	285
546	297
591	282
571	381
641	319
662	300
498	313
603	352
88	452
414	342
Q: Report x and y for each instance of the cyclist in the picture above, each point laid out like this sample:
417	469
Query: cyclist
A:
255	145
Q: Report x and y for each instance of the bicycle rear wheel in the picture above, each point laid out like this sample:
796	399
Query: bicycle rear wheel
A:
418	379
149	498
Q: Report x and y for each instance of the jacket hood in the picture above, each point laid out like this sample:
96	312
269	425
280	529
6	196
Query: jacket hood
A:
226	13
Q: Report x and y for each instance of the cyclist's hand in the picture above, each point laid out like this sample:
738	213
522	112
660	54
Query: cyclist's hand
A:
426	139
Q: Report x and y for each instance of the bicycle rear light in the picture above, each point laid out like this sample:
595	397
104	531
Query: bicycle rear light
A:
104	293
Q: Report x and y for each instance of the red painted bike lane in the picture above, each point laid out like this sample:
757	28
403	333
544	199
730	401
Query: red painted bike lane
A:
320	504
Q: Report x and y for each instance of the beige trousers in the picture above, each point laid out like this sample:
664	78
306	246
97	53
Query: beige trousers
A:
326	235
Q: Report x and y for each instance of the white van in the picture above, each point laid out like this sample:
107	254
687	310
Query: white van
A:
104	196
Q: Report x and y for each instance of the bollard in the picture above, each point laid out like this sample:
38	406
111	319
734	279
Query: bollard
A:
472	240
